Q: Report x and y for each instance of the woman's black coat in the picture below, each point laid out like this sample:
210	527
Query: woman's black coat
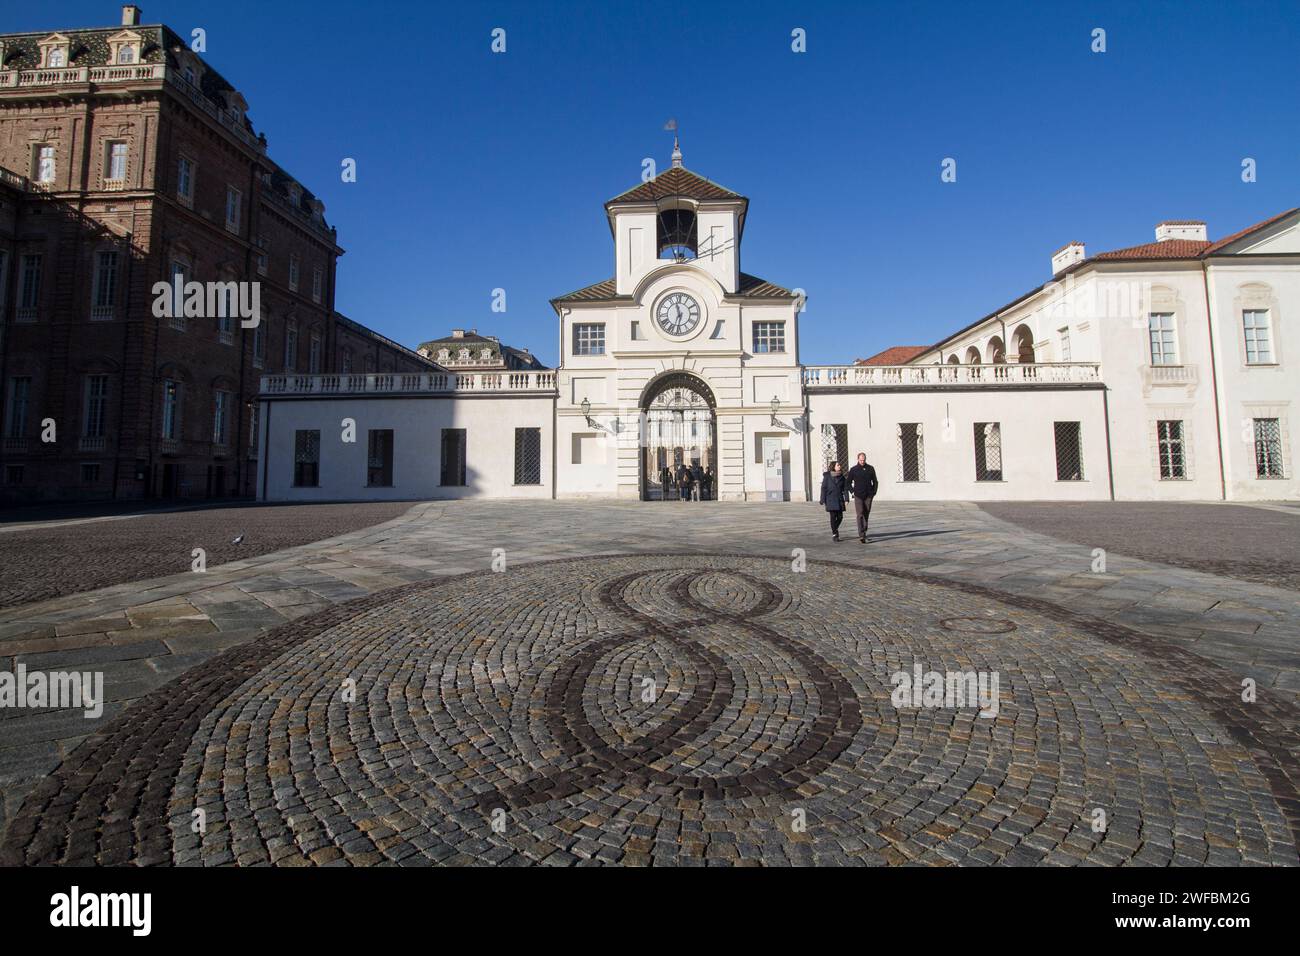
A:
833	491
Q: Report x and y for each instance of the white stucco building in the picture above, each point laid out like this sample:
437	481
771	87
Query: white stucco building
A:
1152	372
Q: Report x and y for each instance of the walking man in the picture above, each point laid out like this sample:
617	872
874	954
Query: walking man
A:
862	484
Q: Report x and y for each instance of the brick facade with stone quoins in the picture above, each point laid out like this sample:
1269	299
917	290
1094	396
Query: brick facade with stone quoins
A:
124	158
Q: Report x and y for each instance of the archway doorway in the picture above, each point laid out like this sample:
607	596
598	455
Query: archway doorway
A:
678	431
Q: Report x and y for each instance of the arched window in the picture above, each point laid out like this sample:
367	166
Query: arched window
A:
1024	340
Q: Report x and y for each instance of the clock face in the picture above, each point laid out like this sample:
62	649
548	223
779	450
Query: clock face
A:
678	314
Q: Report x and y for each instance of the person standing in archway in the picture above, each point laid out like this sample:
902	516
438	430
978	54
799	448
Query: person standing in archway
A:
834	493
863	485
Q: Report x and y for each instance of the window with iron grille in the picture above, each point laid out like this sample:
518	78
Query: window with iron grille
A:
220	416
30	290
379	458
96	405
453	457
589	339
105	288
835	446
20	389
306	458
528	456
911	452
171	409
988	451
1268	448
1160	327
1173	462
769	337
1259	343
1069	451
90	473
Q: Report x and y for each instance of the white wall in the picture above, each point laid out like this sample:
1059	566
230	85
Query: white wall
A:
417	423
1028	444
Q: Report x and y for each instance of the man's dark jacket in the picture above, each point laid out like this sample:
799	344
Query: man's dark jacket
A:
862	481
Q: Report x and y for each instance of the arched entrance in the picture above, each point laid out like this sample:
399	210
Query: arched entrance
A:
678	430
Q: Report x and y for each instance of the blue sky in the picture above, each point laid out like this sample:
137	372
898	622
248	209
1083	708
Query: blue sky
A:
478	170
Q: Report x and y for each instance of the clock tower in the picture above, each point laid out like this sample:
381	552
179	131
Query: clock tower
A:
680	360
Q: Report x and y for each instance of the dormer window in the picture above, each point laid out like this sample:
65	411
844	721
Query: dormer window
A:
463	356
54	52
124	47
486	354
444	355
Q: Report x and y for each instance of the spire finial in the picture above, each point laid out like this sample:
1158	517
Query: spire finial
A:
677	153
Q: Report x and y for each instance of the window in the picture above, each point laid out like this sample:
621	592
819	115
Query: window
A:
769	337
43	163
345	363
313	356
290	348
259	344
90	473
1169	435
1069	451
911	452
453	457
115	162
126	54
252	429
104	293
379	458
185	180
29	290
988	451
528	456
20	389
234	199
58	58
263	255
1160	327
835	445
293	273
171	410
1259	345
306	459
636	332
190	76
317	282
1066	352
589	339
227	306
94	407
13	474
180	275
220	415
1268	448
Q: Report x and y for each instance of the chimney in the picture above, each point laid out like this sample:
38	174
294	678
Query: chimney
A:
1192	229
1066	256
457	333
130	15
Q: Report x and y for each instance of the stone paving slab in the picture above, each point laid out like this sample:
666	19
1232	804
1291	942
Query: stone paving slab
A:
1248	629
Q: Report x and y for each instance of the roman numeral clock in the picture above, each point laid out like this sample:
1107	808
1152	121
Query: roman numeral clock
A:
678	314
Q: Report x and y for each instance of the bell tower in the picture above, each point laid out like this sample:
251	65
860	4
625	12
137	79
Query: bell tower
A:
678	216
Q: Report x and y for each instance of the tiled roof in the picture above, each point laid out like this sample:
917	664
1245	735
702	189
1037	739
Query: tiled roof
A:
897	355
751	287
755	288
1169	249
675	181
1216	246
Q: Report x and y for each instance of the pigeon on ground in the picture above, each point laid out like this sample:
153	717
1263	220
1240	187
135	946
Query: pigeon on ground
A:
239	540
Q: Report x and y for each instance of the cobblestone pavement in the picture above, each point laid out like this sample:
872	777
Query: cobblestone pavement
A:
521	693
53	558
1239	541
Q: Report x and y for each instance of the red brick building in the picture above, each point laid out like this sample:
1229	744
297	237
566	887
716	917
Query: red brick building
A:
126	160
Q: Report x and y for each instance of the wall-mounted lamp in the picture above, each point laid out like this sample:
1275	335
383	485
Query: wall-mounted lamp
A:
776	404
586	410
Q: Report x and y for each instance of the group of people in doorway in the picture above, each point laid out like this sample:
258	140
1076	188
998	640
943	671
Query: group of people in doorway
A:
838	488
687	482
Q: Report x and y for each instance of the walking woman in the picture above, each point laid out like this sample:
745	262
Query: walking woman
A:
834	494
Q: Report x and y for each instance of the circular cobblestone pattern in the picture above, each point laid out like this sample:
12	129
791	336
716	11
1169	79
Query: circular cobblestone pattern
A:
696	709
